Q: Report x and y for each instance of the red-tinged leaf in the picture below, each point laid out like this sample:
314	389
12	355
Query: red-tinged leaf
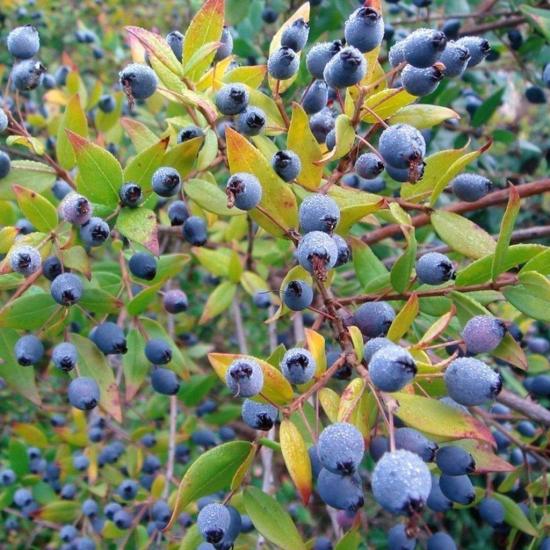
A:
141	136
206	26
486	460
296	458
510	351
505	234
139	225
437	328
435	418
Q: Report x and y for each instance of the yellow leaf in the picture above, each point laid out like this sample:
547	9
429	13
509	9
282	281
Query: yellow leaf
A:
31	434
423	116
296	458
251	75
330	401
404	319
357	340
316	346
385	104
345	137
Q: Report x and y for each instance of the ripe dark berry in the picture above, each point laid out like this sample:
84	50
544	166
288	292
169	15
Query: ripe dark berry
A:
364	29
492	511
269	15
61	189
244	378
143	265
317	252
374	318
341	448
535	94
315	97
396	55
65	356
454	461
232	99
5	164
398	539
52	267
434	268
138	81
286	164
344	250
283	63
457	488
75	209
195	231
28	350
109	338
22	498
437	501
369	166
94	232
166	182
321	124
421	82
251	121
83	393
161	513
455	58
189	132
106	103
319	55
213	522
440	541
130	194
423	47
471	187
175	301
451	28
295	35
259	416
226	45
298	366
318	213
401	482
373	345
175	41
127	489
346	68
297	295
402	145
23	42
26	75
178	213
477	46
244	191
483	333
391	368
25	260
414	441
471	382
165	381
158	351
340	492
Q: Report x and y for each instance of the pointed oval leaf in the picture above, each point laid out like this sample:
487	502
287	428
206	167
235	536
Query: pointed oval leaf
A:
141	168
423	116
38	210
139	225
296	458
218	301
74	120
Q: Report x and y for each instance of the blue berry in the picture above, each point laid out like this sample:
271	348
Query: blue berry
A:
65	356
538	345
526	428
24	227
378	446
90	508
340	492
161	513
344	251
298	366
455	58
374	318
109	338
244	378
297	295
316	465
414	441
477	47
178	213
269	15
538	385
315	97
138	81
398	539
451	28
412	174
454	461
317	252
166	181
251	121
373	345
61	189
471	382
295	35
106	103
111	509
471	187
440	541
401	145
318	213
244	191
283	63
7	477
369	166
5	164
546	75
396	55
457	488
80	462
214	521
158	351
68	533
83	393
401	482
319	55
437	501
286	164
346	68
188	133
483	333
3	120
28	350
122	519
492	512
22	498
391	368
75	209
204	438
226	45
130	194
23	42
25	260
232	99
84	543
262	299
341	448
227	433
143	265
321	124
94	232
194	231
364	29
423	47
421	82
175	41
165	381
175	301
127	489
434	268
322	543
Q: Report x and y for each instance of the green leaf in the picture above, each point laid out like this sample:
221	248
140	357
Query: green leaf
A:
92	363
539	17
272	520
74	120
402	268
99	301
77	259
345	138
38	210
367	265
514	516
506	228
139	225
211	472
100	174
29	311
466	307
540	262
18	457
141	168
423	116
60	511
462	235
218	301
134	364
354	205
142	137
210	197
32	434
404	319
487	109
386	103
143	299
350	541
531	296
33	175
183	157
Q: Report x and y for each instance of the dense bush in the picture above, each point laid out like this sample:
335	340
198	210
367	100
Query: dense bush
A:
274	275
